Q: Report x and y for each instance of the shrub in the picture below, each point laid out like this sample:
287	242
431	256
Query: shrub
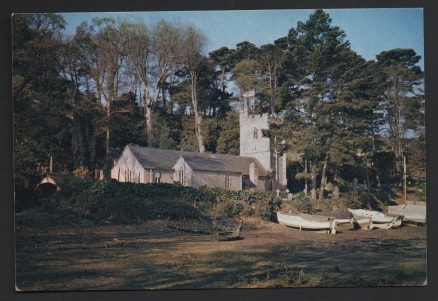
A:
128	202
267	209
81	172
303	204
242	203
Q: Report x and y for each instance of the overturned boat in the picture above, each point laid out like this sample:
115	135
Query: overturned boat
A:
376	216
411	211
367	219
308	222
342	217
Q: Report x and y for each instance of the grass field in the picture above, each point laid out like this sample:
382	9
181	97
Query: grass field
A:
151	256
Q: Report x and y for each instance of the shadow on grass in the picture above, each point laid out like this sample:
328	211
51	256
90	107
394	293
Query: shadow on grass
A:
77	261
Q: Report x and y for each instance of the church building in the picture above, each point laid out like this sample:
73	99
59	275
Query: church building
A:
259	167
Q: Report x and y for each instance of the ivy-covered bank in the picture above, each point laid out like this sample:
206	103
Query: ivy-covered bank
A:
114	202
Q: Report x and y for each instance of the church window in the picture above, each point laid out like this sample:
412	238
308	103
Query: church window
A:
256	133
157	177
227	181
181	176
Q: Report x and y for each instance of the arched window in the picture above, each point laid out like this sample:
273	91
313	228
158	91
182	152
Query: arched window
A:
157	177
227	181
256	133
181	176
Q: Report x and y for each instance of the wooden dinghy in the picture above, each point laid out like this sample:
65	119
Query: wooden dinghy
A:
376	216
227	236
230	235
367	224
342	217
368	220
412	212
308	222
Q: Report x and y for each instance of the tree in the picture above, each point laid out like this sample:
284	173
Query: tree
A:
42	115
223	60
104	52
168	51
137	41
228	141
271	58
324	57
402	97
247	75
193	44
126	122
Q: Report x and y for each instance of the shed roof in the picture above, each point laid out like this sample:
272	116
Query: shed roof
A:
156	158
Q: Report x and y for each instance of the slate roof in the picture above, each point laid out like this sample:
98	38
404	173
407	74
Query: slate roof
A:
165	159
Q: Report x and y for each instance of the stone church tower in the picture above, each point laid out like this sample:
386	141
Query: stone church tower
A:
254	144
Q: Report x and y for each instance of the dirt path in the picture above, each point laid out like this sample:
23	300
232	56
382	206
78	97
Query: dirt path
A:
151	256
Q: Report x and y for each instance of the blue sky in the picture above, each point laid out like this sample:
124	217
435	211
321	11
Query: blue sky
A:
369	31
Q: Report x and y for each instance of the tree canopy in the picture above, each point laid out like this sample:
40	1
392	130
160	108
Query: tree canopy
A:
79	100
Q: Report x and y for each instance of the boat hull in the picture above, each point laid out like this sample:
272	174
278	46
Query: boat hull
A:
376	217
303	222
410	212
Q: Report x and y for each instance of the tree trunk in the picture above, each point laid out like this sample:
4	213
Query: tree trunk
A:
323	180
107	141
198	116
148	113
271	100
306	189
335	186
313	177
222	83
336	192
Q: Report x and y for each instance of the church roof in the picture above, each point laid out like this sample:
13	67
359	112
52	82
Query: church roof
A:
165	159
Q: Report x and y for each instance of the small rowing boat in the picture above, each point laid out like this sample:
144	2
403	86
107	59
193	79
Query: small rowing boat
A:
413	212
376	216
342	217
367	219
308	222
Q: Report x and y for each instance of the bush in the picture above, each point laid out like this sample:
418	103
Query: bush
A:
267	209
81	172
129	202
303	204
242	203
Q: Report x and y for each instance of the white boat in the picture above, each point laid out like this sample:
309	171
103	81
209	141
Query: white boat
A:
367	224
376	216
308	222
414	212
340	216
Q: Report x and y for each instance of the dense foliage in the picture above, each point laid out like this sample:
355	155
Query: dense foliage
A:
128	202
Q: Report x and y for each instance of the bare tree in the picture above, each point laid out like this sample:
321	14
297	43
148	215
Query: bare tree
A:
167	48
138	43
194	42
102	43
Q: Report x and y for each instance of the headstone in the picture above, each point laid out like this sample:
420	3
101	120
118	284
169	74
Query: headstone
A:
355	185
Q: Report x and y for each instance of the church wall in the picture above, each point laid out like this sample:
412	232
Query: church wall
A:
187	172
212	179
282	179
128	169
252	142
167	176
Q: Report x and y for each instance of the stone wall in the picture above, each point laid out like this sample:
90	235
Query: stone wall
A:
128	169
252	142
212	179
